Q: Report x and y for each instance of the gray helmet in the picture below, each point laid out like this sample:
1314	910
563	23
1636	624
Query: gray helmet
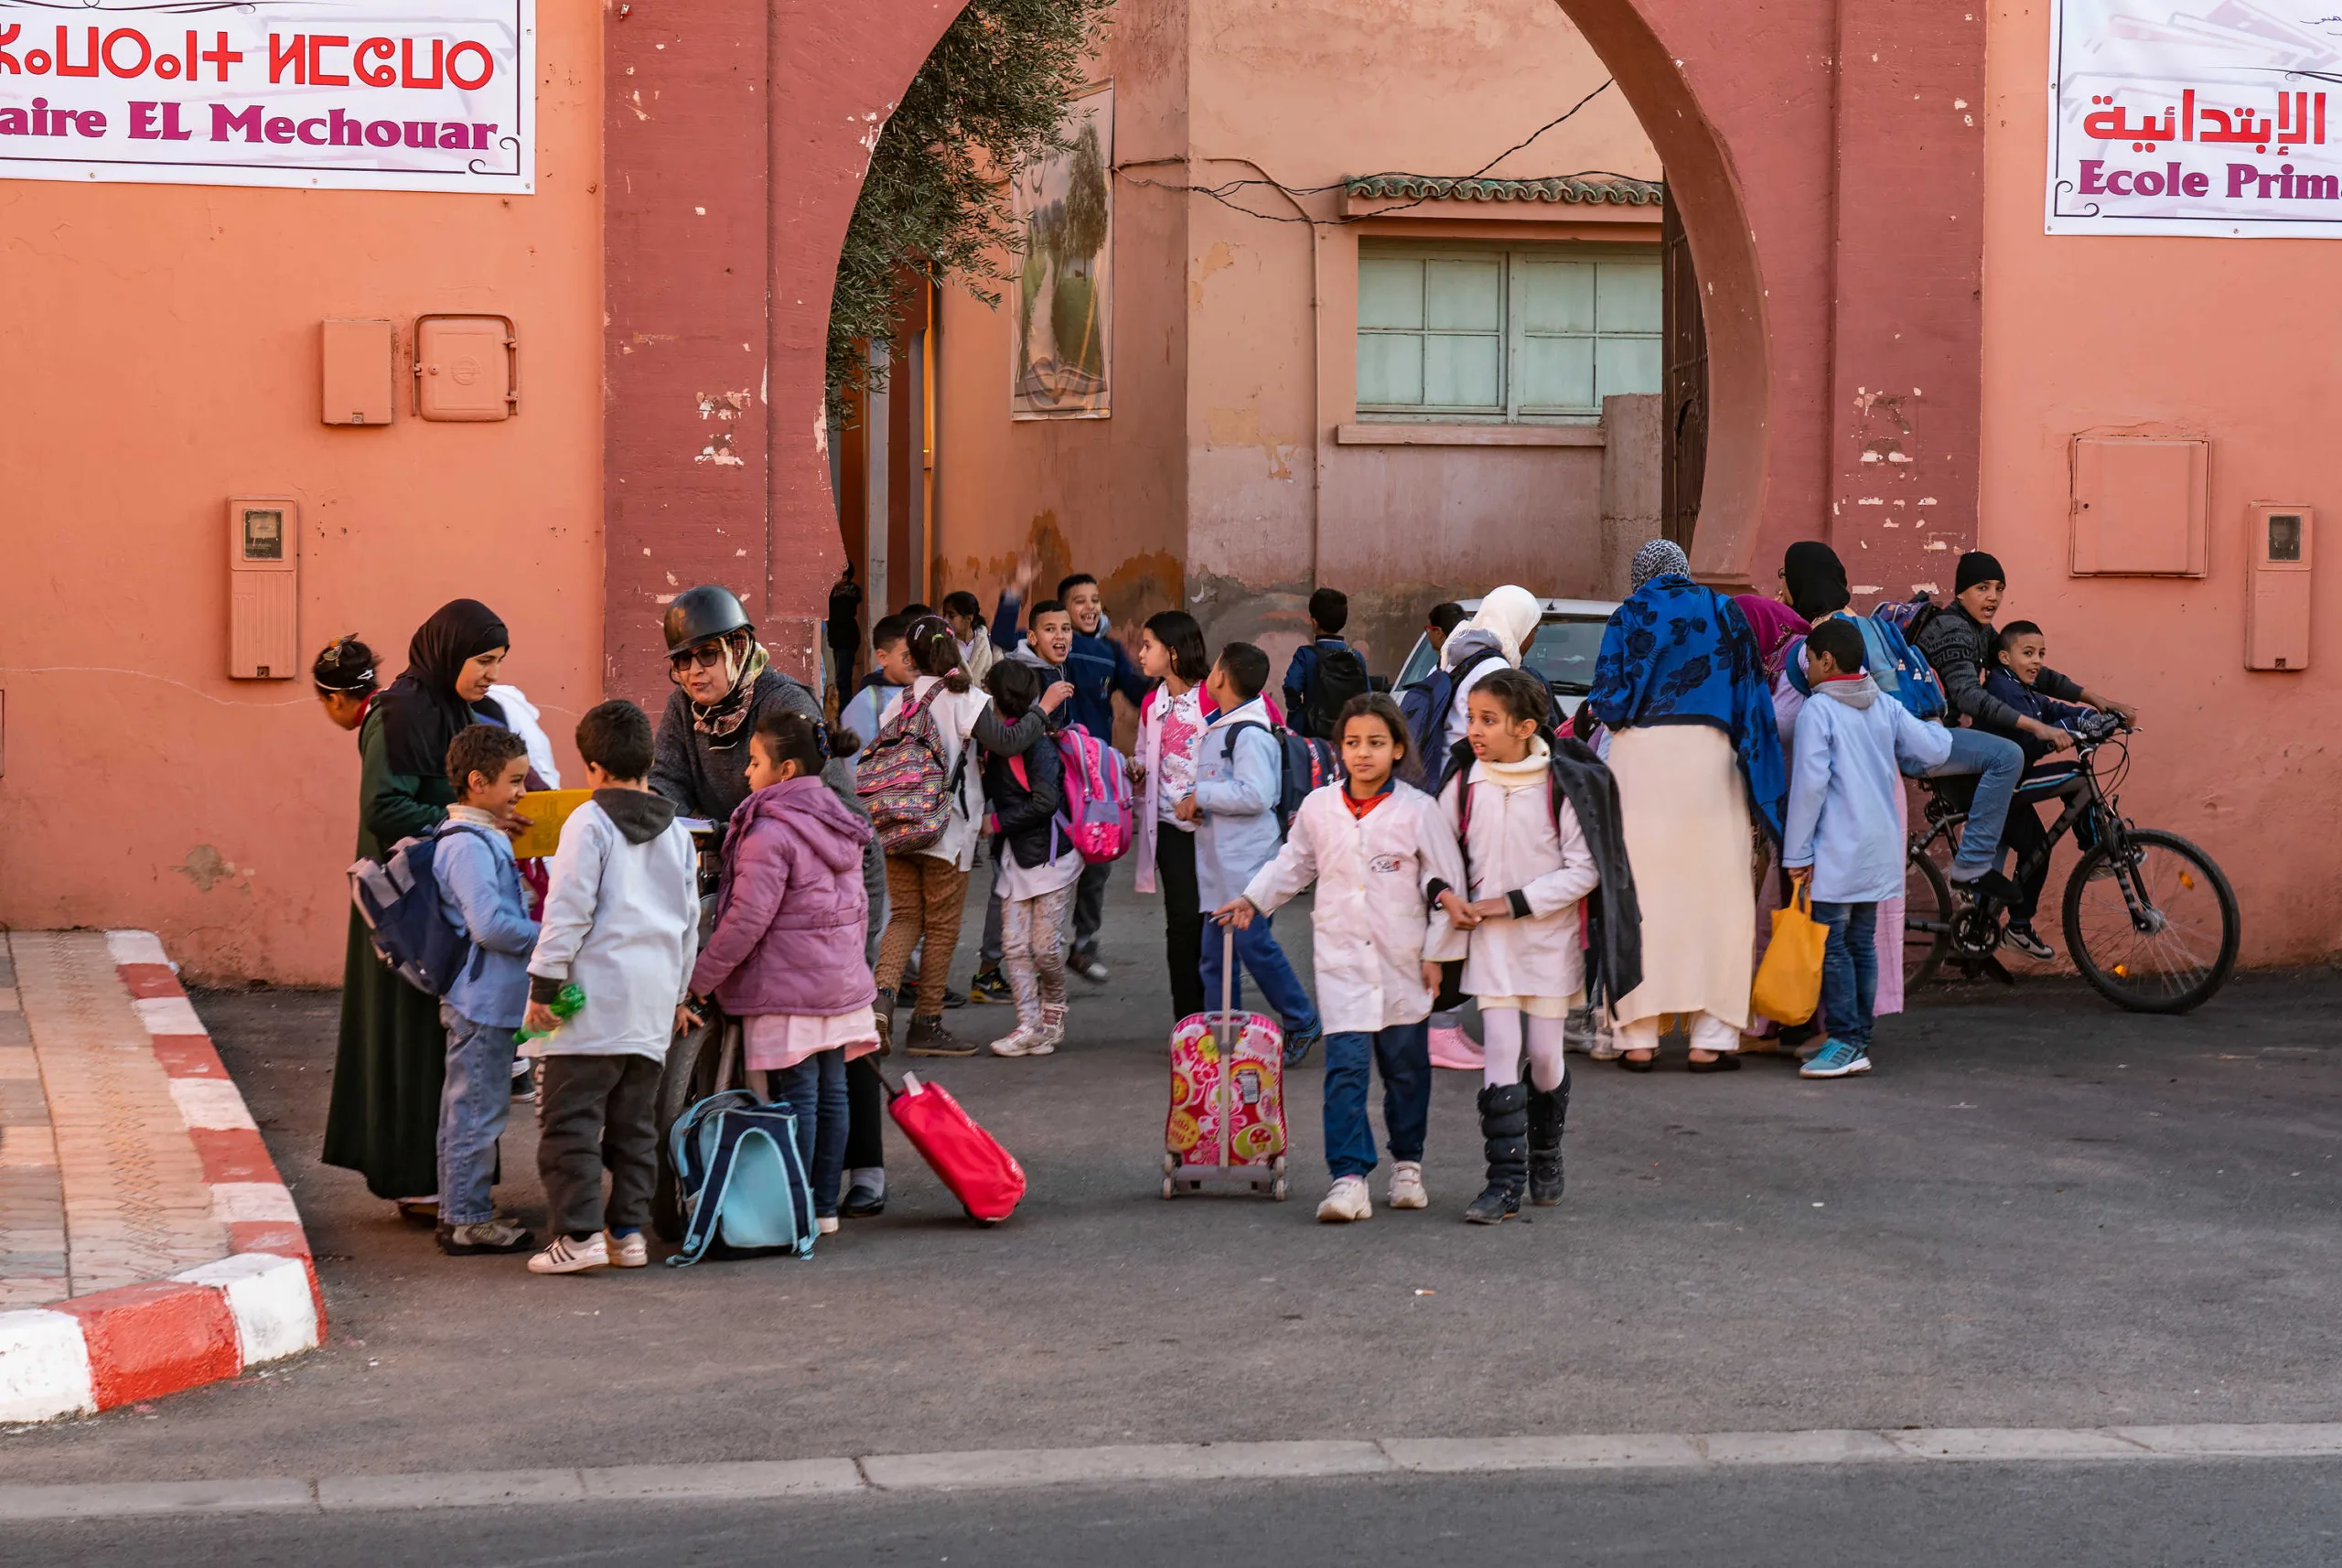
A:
701	614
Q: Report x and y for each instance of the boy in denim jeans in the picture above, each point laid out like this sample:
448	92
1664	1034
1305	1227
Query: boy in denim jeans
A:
480	893
1844	834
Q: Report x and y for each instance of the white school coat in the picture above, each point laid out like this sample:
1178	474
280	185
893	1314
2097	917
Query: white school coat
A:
1514	845
1373	927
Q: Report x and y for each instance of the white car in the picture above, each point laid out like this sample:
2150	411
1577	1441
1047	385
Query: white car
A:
1569	639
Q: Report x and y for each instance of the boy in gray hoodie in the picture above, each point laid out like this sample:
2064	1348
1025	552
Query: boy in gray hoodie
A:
621	923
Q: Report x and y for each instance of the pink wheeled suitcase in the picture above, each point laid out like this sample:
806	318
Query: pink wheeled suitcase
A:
1226	1121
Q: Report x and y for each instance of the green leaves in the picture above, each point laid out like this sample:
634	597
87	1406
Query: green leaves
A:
990	100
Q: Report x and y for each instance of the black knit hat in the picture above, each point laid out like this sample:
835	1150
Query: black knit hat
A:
1977	567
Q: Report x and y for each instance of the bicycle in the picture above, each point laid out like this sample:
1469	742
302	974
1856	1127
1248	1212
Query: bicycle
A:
2150	920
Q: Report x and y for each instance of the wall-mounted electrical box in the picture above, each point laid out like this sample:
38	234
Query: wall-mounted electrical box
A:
356	361
467	368
263	588
2140	505
2276	614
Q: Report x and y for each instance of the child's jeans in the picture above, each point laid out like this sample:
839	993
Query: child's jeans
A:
1849	969
1404	1053
815	1089
474	1101
1032	952
1257	950
598	1114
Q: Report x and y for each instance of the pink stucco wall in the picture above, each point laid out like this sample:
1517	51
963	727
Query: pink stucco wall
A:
2116	336
1220	457
171	361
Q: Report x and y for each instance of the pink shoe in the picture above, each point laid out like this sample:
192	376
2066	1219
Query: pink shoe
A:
1453	1047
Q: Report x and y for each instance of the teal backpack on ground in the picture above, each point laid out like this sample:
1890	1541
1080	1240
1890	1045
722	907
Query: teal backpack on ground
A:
740	1177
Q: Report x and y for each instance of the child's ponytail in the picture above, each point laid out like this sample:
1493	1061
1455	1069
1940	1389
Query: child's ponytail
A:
808	742
935	651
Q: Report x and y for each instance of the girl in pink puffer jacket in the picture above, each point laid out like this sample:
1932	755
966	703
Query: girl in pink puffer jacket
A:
786	958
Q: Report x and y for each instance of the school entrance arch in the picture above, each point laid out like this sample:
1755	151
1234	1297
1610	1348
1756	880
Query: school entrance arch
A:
1823	159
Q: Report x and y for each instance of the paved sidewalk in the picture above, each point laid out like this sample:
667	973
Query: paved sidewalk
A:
146	1243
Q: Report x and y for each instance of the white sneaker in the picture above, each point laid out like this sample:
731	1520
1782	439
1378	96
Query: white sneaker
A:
1346	1201
569	1257
627	1251
826	1224
1407	1187
1019	1042
1052	1027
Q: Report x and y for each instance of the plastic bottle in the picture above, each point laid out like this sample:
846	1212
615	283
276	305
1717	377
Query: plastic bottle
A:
565	1006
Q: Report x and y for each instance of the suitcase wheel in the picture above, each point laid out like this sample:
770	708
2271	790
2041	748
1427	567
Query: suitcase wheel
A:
1170	1187
1277	1190
1170	1163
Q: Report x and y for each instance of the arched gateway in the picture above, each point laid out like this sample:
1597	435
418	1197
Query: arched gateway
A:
1823	158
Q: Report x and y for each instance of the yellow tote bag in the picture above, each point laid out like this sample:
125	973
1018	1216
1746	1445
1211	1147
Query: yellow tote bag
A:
1788	982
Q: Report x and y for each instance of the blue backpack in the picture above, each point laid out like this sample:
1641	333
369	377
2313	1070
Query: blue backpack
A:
1901	671
1305	763
398	897
740	1178
1425	707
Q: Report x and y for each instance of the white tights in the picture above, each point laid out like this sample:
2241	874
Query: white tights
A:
1500	1063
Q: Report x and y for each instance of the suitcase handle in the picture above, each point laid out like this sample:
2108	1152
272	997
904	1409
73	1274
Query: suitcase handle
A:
1222	1028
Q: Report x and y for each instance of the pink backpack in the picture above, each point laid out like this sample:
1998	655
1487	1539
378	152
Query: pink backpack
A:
1099	817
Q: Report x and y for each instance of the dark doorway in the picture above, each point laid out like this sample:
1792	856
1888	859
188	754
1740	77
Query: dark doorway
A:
1686	336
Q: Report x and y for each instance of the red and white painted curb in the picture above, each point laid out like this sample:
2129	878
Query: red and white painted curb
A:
259	1304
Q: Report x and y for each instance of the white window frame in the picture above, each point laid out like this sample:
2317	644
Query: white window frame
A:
1514	334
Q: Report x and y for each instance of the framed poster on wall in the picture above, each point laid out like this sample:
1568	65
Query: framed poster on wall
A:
1061	301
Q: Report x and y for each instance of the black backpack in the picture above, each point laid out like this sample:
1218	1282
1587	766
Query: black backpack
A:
1304	763
1338	675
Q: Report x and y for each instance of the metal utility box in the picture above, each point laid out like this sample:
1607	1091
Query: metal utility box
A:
2280	541
358	370
263	588
467	368
2140	505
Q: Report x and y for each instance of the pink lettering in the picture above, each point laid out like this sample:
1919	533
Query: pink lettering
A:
2092	185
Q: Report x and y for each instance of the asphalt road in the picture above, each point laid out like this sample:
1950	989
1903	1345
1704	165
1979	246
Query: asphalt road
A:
2270	1514
2036	1212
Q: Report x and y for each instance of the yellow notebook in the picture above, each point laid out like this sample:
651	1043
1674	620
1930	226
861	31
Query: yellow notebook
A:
546	811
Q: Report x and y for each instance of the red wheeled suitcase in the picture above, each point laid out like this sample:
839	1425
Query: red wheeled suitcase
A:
982	1175
1227	1120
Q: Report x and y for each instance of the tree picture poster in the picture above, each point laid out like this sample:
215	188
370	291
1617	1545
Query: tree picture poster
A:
1062	298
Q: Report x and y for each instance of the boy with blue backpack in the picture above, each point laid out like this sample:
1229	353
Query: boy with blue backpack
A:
1240	781
480	894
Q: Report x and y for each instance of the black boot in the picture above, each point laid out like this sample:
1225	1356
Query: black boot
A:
1548	1109
931	1038
1504	1132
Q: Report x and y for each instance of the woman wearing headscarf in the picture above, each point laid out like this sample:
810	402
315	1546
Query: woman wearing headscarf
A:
385	1118
1496	636
1697	754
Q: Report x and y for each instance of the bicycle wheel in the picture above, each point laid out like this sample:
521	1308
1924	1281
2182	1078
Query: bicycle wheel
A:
1927	921
2179	948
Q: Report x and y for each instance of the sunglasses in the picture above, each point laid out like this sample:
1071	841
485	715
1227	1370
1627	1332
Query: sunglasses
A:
707	656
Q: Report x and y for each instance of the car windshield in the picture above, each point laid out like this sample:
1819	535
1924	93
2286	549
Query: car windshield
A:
1565	652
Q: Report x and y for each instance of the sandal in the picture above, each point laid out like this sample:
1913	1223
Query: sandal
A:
1646	1065
1728	1061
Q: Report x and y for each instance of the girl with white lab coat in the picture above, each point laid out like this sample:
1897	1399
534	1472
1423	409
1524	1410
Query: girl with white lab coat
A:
1527	867
1377	849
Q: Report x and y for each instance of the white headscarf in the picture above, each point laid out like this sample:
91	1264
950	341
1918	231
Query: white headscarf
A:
1508	614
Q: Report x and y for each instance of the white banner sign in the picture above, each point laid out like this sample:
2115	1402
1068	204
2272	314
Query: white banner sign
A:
2195	117
439	95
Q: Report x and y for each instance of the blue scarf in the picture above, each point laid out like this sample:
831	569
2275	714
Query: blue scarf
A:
1679	653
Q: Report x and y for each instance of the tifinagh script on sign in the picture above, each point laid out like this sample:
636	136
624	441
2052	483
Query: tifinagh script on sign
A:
437	96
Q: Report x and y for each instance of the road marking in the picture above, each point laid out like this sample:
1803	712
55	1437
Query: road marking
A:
999	1468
